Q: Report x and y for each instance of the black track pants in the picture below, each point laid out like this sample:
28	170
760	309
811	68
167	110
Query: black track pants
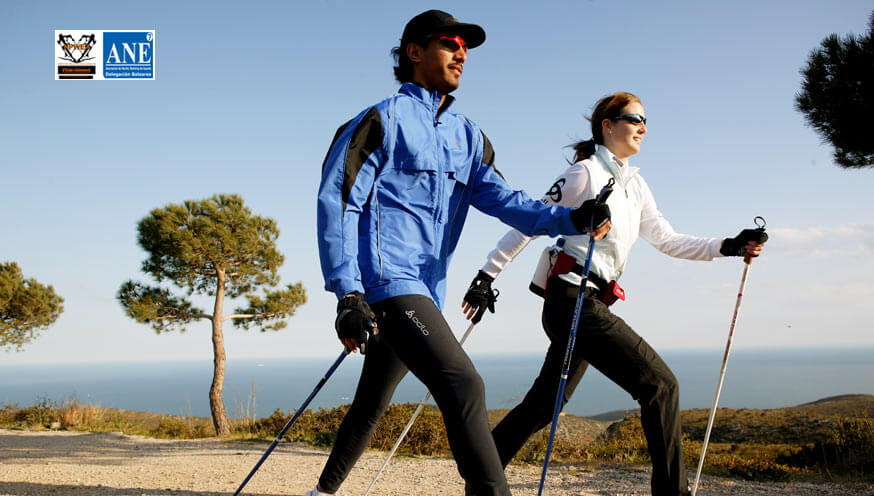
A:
612	347
414	335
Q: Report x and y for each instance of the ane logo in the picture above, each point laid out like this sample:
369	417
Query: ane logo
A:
418	323
129	54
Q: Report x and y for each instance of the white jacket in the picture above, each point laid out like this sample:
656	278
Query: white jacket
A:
633	212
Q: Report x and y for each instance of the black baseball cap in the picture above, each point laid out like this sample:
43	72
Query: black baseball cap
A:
432	22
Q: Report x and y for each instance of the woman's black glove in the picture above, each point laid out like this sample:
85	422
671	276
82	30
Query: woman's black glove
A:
480	295
737	246
355	319
592	214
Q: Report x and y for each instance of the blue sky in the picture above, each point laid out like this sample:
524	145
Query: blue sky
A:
248	96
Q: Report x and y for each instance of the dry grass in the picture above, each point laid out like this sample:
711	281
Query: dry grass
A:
73	414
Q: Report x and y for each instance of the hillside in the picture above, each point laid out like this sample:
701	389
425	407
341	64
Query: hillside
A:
806	423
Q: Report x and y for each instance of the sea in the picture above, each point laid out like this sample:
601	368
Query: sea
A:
254	388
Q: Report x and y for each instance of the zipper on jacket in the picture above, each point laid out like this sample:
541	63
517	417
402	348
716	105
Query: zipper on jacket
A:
438	204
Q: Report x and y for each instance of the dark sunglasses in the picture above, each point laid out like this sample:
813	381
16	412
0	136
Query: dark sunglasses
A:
451	43
632	118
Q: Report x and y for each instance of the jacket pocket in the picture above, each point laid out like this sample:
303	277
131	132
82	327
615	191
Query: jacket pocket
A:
413	185
454	186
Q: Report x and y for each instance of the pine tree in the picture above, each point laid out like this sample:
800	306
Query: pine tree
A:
213	247
837	96
26	306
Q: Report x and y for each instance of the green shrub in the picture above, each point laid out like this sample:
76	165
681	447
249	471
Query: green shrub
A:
564	448
427	436
760	468
7	415
181	428
42	414
319	428
113	421
267	427
170	428
850	451
622	442
854	445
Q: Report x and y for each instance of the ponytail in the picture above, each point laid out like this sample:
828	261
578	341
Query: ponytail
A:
583	149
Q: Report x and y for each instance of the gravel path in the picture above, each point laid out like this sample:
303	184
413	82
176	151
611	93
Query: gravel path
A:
113	464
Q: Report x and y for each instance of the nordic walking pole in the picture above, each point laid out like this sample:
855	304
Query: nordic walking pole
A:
743	282
294	418
410	423
578	310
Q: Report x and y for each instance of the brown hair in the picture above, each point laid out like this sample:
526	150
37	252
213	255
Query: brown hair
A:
607	107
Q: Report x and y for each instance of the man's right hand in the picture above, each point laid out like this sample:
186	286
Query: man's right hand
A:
593	218
354	321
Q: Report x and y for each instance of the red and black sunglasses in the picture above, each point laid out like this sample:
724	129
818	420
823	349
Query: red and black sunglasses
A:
450	42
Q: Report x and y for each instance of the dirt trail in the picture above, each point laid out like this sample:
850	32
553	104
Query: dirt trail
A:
39	463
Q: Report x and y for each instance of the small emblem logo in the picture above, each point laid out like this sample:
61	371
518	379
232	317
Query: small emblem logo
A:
554	192
418	323
77	51
73	54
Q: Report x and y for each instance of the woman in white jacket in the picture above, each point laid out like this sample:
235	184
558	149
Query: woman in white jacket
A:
603	339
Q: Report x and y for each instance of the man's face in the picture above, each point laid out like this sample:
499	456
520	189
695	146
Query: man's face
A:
438	66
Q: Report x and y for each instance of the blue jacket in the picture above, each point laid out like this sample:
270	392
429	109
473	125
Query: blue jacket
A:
396	187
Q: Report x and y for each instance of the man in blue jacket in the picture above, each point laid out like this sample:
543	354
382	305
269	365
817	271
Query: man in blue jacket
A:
396	187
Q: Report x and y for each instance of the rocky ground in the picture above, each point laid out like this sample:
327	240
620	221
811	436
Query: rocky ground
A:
113	464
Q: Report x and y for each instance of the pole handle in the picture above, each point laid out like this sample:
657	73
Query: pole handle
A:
760	223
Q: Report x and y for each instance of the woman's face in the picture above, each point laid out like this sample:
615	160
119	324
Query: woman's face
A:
623	137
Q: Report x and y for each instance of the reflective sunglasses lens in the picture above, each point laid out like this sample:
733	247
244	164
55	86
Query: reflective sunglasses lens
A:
451	43
633	118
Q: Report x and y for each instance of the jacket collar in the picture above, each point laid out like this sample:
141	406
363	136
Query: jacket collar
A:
430	99
620	170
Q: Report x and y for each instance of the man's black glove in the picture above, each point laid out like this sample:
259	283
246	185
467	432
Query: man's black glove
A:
737	246
591	214
480	295
355	319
